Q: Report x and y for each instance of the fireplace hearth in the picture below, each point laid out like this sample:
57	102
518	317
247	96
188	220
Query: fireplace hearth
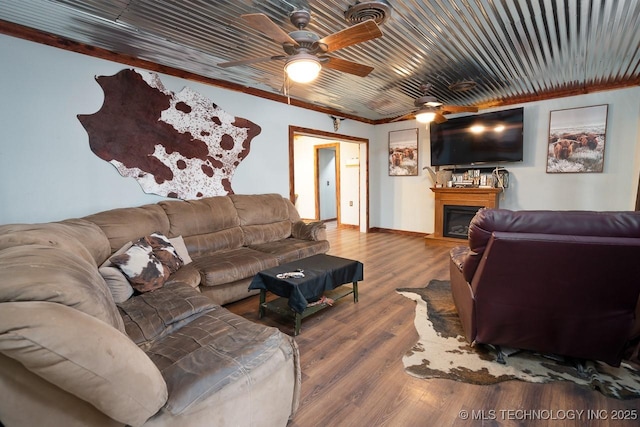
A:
457	219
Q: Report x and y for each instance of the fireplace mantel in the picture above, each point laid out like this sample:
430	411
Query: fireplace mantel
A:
471	196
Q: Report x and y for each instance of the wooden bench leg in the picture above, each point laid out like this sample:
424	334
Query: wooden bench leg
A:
355	292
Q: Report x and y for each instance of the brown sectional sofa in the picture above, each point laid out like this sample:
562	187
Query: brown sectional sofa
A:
555	282
230	238
69	355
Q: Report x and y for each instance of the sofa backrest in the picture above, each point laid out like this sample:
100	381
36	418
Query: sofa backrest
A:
206	225
48	273
263	217
124	225
77	236
572	223
619	224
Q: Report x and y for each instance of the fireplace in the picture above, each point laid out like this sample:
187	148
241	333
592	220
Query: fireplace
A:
456	220
466	199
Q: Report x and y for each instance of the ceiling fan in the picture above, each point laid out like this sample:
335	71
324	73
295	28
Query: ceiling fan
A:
305	50
429	109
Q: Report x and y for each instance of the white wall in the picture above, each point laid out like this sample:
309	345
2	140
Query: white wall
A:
349	184
613	189
47	171
406	203
401	202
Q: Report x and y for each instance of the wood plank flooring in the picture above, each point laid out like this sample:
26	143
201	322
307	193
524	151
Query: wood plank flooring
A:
352	373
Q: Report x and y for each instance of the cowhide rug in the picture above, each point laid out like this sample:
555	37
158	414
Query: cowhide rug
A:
443	352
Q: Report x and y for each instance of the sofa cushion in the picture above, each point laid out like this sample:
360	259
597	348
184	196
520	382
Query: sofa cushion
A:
457	255
263	217
74	235
121	289
119	286
203	216
228	266
187	274
264	233
46	273
143	269
155	314
291	249
83	356
205	244
260	208
128	224
309	231
210	352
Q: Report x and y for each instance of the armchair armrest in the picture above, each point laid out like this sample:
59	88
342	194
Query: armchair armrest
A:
309	231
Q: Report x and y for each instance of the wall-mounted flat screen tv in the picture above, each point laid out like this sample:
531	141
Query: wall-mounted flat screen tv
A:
482	138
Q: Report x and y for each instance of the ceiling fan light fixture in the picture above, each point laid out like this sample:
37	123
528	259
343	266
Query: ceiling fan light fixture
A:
425	116
302	68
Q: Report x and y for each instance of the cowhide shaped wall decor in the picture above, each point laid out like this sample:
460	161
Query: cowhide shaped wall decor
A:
177	145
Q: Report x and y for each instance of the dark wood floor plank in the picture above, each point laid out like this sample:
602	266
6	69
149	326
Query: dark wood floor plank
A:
351	354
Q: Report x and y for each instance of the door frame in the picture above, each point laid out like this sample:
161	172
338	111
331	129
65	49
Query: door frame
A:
296	130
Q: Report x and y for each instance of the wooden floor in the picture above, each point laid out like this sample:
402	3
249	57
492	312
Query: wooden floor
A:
352	373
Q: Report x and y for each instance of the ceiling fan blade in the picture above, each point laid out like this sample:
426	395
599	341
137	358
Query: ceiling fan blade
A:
459	109
250	61
358	33
404	117
439	118
346	66
262	23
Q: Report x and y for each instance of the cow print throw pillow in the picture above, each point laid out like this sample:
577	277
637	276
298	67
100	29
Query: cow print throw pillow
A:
143	269
165	251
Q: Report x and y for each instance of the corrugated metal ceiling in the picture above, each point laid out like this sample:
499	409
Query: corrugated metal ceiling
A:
515	50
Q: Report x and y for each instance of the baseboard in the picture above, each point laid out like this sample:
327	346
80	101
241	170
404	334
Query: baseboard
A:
429	239
349	226
392	231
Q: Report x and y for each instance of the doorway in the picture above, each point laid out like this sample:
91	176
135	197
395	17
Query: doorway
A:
308	191
327	182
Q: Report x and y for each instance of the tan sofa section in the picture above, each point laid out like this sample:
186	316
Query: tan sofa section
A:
71	355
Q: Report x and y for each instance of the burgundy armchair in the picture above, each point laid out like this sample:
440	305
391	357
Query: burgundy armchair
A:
555	282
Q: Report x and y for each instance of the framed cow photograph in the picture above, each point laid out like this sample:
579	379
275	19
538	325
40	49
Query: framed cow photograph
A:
403	152
577	139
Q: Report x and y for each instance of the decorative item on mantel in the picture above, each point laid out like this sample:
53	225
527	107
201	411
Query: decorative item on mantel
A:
440	178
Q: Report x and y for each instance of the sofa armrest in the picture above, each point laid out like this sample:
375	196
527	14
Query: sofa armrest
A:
186	274
309	231
83	356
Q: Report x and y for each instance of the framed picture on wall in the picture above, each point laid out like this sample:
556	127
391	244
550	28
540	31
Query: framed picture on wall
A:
577	140
403	152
